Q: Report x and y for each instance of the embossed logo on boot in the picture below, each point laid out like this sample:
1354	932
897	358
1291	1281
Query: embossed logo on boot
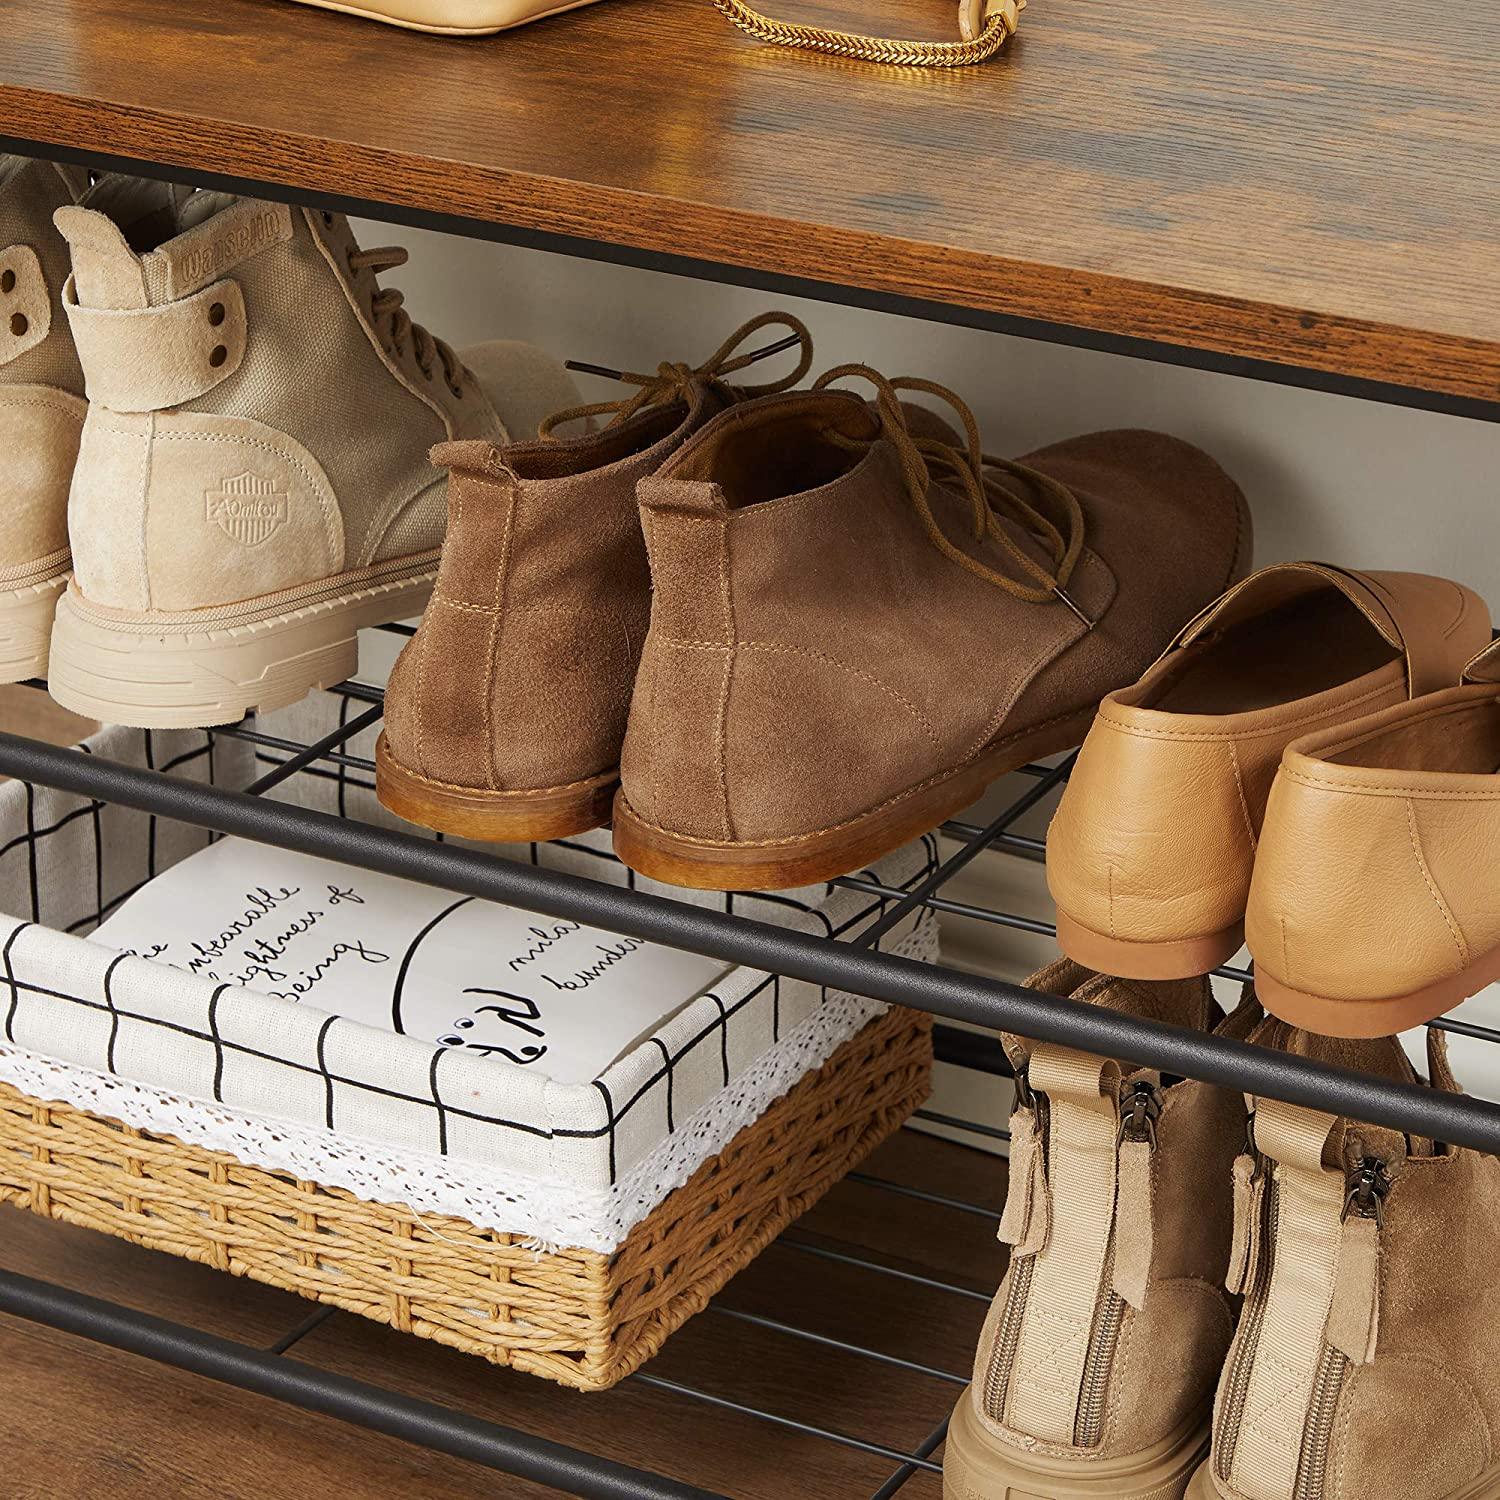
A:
248	508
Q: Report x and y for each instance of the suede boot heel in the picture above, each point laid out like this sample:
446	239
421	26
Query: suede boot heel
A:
251	488
506	711
1095	1370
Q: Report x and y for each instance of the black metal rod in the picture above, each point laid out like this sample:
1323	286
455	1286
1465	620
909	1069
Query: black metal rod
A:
921	1195
953	1122
310	753
810	1429
991	1003
956	862
928	1446
421	1422
842	1258
827	1341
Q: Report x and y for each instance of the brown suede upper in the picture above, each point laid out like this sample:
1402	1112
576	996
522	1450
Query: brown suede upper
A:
520	674
814	655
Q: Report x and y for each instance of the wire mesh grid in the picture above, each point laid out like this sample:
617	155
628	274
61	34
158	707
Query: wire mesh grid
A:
575	1470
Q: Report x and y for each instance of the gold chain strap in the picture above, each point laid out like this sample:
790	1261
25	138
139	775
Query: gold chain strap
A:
980	41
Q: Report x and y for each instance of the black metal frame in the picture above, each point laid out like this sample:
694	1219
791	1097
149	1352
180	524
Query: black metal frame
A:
944	992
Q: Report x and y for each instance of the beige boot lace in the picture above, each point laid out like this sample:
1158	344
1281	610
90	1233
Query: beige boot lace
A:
976	473
673	381
386	303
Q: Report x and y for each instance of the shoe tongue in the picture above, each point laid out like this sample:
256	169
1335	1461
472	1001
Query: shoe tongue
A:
201	207
144	211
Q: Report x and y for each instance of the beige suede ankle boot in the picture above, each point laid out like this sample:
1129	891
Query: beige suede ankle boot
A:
41	408
1096	1368
505	713
860	620
252	485
1364	1363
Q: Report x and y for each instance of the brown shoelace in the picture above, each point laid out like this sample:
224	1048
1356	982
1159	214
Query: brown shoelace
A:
387	303
674	381
977	473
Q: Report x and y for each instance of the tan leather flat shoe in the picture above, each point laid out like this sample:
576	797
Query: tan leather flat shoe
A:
1150	855
859	620
1374	903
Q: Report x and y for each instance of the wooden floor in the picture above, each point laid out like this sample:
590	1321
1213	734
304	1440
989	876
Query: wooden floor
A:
87	1423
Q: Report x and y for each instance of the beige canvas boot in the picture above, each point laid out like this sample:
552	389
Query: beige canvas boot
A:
41	408
1373	907
1096	1368
1364	1363
506	711
1150	855
860	620
252	485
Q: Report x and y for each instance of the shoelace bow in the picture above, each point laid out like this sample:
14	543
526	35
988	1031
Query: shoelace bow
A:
974	469
387	303
675	379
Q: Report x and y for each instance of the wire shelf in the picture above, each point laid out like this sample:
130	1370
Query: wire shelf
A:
947	993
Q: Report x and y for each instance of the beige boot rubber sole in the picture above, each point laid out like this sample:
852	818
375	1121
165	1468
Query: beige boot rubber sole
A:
782	864
195	669
1186	958
976	1467
26	616
1376	1018
1486	1487
495	817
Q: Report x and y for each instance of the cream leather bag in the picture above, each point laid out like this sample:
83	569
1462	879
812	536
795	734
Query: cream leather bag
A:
984	26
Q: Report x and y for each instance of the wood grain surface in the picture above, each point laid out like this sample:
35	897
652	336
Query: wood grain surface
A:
1315	185
88	1423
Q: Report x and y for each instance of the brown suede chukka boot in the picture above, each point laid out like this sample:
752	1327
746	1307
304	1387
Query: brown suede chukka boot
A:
252	484
1373	907
1096	1368
505	713
41	407
1150	855
860	620
1364	1363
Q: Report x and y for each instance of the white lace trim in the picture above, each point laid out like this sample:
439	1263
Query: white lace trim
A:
549	1212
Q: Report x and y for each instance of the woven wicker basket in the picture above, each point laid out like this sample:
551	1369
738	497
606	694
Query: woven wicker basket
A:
579	1317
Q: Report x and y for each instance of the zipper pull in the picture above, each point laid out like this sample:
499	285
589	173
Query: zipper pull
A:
1025	1224
1250	1179
1354	1317
1135	1228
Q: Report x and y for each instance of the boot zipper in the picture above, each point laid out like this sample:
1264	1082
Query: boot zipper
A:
1237	1383
1317	1436
1140	1109
1108	1325
1369	1183
1008	1338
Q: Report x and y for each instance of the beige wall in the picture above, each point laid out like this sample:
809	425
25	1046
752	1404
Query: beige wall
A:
1354	482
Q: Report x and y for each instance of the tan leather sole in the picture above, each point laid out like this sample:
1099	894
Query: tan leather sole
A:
509	817
26	628
781	864
196	668
1376	1018
454	17
1486	1487
1184	959
976	1467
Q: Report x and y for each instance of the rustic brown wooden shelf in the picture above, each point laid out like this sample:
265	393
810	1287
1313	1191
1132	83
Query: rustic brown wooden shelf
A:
1313	189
